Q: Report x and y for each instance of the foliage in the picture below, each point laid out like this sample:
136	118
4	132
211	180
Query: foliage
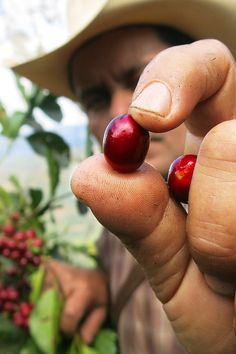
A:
51	146
30	321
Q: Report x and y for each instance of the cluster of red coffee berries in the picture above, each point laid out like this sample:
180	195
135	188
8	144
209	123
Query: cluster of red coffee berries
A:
20	253
10	304
22	247
22	315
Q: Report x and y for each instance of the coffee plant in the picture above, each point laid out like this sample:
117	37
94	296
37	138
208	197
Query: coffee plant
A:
29	314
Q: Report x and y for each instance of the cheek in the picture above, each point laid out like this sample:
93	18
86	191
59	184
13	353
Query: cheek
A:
177	140
98	125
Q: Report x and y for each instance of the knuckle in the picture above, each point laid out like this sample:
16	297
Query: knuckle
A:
213	248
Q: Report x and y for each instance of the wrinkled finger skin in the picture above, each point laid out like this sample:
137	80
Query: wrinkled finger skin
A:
85	294
212	208
184	257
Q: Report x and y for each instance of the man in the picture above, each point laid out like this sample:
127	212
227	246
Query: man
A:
105	91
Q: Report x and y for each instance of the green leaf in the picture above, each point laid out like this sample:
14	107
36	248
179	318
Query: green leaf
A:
84	349
3	113
50	106
36	281
89	142
12	124
31	122
17	120
16	183
81	207
21	87
12	338
45	320
36	196
53	172
79	347
5	196
30	348
56	151
37	96
18	197
73	348
79	259
42	141
106	342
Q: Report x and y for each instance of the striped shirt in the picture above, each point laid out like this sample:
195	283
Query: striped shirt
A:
143	327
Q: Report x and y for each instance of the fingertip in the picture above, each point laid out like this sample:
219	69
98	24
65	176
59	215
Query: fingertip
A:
152	105
93	323
84	172
87	337
132	197
68	324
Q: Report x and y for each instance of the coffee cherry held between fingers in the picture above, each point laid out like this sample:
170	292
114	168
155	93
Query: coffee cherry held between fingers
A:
180	176
125	144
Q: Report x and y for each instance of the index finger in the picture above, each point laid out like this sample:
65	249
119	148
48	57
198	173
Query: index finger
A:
194	83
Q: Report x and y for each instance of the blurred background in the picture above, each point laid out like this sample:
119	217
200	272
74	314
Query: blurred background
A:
42	139
27	28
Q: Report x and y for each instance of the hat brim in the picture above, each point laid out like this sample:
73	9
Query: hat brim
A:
200	19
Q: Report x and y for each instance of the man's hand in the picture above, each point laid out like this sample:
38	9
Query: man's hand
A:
85	294
187	259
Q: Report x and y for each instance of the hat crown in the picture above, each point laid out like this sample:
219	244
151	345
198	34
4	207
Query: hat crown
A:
81	12
89	18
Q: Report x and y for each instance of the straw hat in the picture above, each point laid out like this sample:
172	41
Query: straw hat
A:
87	18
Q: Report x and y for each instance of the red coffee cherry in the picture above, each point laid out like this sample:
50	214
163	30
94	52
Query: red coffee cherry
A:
180	176
19	320
15	217
12	294
30	234
12	271
8	306
9	230
37	242
19	236
125	144
23	262
25	309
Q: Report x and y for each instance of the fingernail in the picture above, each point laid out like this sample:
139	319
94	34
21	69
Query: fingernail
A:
155	98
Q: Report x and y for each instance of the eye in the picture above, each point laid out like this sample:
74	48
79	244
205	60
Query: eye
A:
132	77
95	99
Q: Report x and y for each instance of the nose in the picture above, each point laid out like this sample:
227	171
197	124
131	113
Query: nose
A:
120	101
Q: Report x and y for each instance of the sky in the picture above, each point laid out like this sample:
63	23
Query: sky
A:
28	27
24	30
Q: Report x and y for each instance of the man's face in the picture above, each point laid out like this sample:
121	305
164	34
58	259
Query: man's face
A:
105	73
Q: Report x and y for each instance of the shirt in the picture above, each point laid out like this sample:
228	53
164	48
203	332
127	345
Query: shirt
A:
143	327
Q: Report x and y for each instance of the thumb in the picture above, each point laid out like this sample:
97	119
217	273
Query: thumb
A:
193	83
